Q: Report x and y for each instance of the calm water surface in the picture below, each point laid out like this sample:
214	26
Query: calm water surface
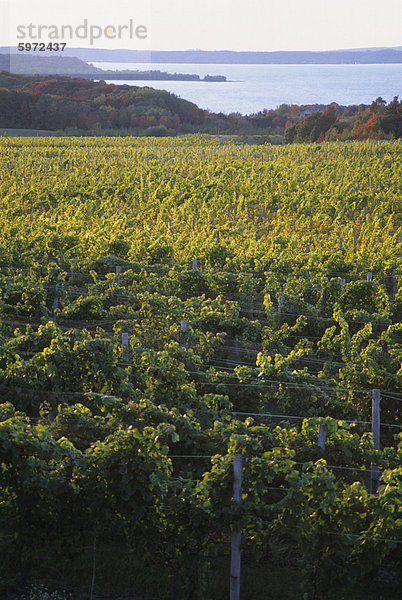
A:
254	87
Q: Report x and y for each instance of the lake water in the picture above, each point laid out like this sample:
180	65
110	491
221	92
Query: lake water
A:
252	88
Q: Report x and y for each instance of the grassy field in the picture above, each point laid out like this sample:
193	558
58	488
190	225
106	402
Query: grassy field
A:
26	133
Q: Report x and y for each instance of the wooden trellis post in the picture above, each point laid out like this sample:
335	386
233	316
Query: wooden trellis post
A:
124	343
235	558
322	436
183	329
376	423
56	295
343	282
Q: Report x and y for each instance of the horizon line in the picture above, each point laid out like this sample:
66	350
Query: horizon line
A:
360	49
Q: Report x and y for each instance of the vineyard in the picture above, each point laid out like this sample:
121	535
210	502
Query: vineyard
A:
170	306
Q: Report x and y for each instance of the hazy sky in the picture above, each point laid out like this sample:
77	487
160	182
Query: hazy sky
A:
219	24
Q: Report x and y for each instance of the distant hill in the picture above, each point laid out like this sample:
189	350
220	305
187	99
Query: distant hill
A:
358	56
33	64
29	64
53	102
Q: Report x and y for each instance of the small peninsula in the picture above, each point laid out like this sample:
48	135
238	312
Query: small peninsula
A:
68	66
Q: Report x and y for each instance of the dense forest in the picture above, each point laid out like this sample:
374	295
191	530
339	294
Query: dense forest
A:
82	107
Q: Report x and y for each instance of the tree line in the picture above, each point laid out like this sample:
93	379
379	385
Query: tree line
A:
83	107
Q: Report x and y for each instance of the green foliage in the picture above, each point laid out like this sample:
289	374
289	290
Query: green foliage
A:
117	462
